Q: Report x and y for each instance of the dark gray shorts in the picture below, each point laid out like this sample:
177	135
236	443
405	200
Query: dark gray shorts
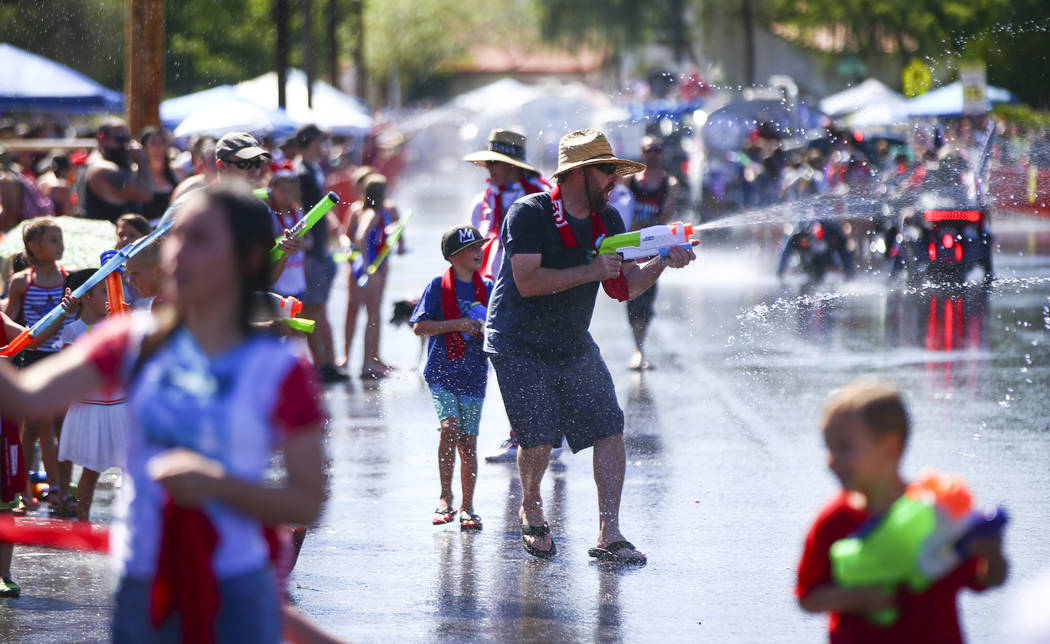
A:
546	399
320	273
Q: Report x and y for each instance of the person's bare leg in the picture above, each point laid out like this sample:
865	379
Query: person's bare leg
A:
86	493
353	306
319	349
30	434
373	300
532	464
49	455
639	329
447	460
610	462
468	470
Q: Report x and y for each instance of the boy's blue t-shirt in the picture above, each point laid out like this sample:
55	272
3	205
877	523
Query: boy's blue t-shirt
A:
468	375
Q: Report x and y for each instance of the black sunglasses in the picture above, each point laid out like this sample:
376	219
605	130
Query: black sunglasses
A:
249	164
653	150
605	168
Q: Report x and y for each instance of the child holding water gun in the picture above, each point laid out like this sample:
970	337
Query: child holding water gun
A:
94	432
290	271
456	369
865	429
32	293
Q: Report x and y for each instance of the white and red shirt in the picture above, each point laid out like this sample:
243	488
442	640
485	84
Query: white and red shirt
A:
488	210
236	408
292	280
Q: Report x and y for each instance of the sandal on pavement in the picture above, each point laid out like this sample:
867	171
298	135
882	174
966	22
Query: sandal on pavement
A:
615	553
537	531
8	588
468	521
443	516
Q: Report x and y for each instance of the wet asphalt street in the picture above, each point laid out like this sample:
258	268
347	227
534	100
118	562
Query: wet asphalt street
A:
725	461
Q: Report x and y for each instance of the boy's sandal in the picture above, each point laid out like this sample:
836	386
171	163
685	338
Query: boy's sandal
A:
443	516
469	521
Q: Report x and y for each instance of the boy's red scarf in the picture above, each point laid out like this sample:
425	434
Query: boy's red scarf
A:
454	342
616	287
492	239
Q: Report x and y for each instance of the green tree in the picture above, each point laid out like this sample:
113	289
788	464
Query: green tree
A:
77	34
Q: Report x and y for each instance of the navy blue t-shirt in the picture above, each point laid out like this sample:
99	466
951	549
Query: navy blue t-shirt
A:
550	327
468	375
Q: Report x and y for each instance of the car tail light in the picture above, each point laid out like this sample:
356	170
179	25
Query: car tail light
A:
932	250
947	241
952	215
958	252
818	231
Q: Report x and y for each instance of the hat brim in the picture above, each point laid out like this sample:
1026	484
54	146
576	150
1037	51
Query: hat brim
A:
250	152
481	156
624	168
463	248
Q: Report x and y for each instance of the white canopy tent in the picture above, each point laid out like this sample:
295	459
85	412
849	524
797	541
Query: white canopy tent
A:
948	100
870	92
332	111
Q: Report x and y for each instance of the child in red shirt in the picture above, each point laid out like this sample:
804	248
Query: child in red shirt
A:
865	429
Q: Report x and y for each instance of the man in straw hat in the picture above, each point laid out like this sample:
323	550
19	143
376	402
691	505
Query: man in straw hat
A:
550	372
510	178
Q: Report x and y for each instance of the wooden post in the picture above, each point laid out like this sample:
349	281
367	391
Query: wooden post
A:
280	18
308	49
143	63
331	20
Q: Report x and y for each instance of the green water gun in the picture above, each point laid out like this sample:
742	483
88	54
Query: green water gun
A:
301	227
922	537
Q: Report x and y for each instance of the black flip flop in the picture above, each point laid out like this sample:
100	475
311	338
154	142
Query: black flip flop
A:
611	554
469	521
537	531
441	517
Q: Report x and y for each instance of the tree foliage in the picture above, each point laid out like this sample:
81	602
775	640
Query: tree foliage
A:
86	35
1010	35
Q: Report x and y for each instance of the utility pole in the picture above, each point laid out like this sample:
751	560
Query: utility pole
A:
308	49
749	42
358	53
331	19
280	18
143	62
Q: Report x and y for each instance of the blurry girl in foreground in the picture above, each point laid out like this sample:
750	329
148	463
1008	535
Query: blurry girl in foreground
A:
209	402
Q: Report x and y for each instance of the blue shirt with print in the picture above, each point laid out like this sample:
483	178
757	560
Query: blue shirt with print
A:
468	375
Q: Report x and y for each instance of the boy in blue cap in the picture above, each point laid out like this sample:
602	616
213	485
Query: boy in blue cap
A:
451	312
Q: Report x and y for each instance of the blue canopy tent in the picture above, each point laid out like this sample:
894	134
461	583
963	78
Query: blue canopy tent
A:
31	83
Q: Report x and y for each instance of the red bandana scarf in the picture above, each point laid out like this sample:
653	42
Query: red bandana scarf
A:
492	239
616	287
454	342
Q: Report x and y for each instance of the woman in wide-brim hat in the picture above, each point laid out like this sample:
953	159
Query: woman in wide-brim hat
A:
590	147
505	146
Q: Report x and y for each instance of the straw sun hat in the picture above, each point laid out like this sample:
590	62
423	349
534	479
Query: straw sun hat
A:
504	146
590	147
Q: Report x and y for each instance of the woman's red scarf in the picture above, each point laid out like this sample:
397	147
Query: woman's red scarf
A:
185	580
615	287
454	342
492	239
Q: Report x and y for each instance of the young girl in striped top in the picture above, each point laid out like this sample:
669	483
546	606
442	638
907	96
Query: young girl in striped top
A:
32	293
95	429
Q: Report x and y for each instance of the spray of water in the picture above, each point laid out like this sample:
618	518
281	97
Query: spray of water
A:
788	213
